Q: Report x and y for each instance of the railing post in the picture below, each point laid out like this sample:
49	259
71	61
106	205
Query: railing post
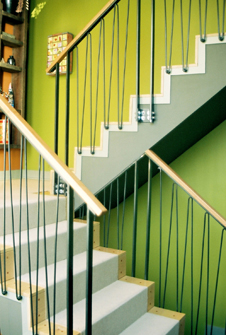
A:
138	57
70	218
148	229
56	120
134	249
89	272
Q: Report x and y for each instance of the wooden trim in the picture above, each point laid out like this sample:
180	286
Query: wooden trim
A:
77	39
173	175
54	161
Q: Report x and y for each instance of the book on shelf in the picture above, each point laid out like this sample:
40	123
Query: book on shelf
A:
4	134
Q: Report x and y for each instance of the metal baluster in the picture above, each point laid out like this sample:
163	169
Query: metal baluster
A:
12	211
169	68
84	97
3	267
118	86
220	34
201	271
106	125
97	92
160	238
123	209
28	237
104	219
120	119
148	228
138	56
90	91
45	246
109	215
70	238
56	129
185	254
38	227
169	242
192	267
152	61
202	37
185	67
208	273
135	201
55	260
89	273
117	213
104	78
177	251
217	278
77	72
67	120
20	212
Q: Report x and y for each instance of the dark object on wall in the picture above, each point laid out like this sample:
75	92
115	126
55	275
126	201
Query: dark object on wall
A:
11	60
10	6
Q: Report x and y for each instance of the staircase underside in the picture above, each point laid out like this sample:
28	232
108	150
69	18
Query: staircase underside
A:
197	106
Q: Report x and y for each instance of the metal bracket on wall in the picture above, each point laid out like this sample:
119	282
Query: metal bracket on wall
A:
144	115
62	187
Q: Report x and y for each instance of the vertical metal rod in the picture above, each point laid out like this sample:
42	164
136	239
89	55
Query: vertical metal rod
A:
3	267
134	247
109	215
89	273
67	109
148	228
192	268
45	246
28	237
207	274
152	57
104	219
97	91
185	63
117	213
169	243
220	35
123	209
77	76
55	259
84	96
118	87
38	227
70	214
202	37
104	77
91	91
177	252
217	278
111	69
56	129
120	121
185	254
160	238
169	67
201	272
138	55
20	212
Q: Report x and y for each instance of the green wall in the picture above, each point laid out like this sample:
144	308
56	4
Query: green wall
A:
60	16
202	167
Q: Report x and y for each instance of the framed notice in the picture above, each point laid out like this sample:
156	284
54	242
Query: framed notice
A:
56	44
4	139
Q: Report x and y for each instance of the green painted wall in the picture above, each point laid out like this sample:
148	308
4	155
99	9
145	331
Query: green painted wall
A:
202	167
60	16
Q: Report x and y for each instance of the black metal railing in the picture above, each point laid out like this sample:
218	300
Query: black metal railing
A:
24	210
179	241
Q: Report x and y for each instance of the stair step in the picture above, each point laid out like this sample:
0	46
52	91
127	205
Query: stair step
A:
115	307
152	324
79	243
105	272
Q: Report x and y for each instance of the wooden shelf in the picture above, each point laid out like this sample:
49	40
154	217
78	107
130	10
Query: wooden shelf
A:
11	42
11	18
10	68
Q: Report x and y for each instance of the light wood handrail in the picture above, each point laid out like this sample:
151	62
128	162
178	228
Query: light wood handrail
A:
77	39
175	177
54	161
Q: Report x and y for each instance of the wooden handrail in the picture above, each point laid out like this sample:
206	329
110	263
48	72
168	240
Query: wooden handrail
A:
77	39
54	161
175	177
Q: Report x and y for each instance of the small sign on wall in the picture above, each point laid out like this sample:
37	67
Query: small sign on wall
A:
56	44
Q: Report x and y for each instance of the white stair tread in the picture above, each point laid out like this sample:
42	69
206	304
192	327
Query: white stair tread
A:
114	308
79	266
152	324
50	232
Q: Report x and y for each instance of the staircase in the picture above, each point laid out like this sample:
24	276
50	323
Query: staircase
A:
121	304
